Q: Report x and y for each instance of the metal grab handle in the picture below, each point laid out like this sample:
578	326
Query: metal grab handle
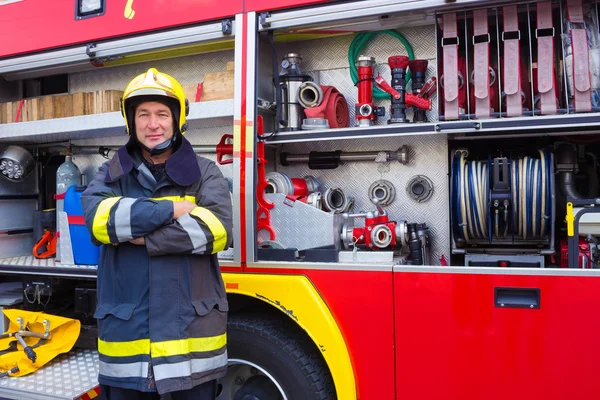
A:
506	297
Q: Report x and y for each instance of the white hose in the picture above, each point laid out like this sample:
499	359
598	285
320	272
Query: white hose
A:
474	209
528	175
474	224
464	204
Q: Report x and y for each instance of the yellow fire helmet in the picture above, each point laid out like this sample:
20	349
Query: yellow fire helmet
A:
154	83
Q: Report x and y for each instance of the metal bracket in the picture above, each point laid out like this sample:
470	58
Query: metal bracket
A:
544	32
104	151
511	35
21	323
226	27
46	328
90	50
263	19
449	41
484	38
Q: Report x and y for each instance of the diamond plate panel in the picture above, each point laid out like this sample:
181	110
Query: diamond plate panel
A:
187	70
327	61
66	377
298	225
428	156
30	261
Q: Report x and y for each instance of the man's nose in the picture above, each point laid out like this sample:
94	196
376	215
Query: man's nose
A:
153	122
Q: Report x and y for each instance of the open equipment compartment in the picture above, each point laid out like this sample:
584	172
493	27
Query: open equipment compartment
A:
321	185
311	154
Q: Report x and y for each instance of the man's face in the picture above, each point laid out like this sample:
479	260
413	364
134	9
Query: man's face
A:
153	123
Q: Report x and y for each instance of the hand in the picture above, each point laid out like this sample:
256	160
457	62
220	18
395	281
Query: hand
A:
139	241
182	207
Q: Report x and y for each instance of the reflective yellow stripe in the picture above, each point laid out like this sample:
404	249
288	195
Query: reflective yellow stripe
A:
570	217
216	227
176	199
124	349
99	227
186	346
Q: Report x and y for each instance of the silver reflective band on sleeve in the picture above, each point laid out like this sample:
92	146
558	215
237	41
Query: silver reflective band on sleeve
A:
194	231
130	370
123	219
187	368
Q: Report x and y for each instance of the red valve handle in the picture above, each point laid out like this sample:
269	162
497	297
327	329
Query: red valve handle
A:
419	102
386	87
224	149
428	89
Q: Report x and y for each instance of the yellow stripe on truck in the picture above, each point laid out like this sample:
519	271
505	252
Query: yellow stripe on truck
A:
297	298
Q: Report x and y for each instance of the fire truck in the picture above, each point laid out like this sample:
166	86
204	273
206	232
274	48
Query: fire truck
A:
415	186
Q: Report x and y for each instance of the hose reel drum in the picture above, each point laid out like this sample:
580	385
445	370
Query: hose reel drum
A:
503	202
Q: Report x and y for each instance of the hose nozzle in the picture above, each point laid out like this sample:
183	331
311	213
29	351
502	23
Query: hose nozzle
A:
418	66
398	62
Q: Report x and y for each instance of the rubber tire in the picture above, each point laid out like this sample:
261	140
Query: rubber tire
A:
288	356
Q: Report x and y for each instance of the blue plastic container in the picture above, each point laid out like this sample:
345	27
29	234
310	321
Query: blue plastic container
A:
84	251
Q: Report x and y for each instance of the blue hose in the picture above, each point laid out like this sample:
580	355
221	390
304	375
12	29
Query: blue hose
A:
475	182
529	198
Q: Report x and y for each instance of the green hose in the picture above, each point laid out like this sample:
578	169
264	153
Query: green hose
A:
360	41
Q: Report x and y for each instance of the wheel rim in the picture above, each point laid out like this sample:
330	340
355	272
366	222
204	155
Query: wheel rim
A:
238	373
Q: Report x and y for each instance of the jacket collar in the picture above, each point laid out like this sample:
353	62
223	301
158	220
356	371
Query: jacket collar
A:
182	167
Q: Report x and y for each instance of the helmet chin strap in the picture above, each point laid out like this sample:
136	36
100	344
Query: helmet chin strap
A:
160	148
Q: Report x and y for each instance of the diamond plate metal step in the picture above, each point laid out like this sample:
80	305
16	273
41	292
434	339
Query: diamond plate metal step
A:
49	266
33	266
68	376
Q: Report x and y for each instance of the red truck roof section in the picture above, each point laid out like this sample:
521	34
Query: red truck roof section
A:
34	25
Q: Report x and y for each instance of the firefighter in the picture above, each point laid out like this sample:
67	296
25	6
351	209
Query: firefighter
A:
161	214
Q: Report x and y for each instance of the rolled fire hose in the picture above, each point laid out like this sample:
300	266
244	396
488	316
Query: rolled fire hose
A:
531	183
333	108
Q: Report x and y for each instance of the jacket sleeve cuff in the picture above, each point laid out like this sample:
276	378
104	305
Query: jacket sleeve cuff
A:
151	246
165	211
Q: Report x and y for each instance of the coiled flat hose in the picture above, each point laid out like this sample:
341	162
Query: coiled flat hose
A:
531	192
360	41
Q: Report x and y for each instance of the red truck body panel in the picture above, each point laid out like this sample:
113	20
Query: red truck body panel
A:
453	342
35	25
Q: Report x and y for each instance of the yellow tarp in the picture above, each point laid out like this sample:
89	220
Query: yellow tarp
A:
64	333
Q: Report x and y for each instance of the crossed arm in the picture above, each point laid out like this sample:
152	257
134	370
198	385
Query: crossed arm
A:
172	225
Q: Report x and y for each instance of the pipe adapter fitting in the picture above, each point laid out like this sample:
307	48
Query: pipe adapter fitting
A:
419	188
384	191
310	94
335	200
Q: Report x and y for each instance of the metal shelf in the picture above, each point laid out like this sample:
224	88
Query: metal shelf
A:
353	133
547	125
32	266
343	15
202	115
29	265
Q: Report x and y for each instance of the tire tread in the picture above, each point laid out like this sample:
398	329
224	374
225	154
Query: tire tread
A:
294	344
